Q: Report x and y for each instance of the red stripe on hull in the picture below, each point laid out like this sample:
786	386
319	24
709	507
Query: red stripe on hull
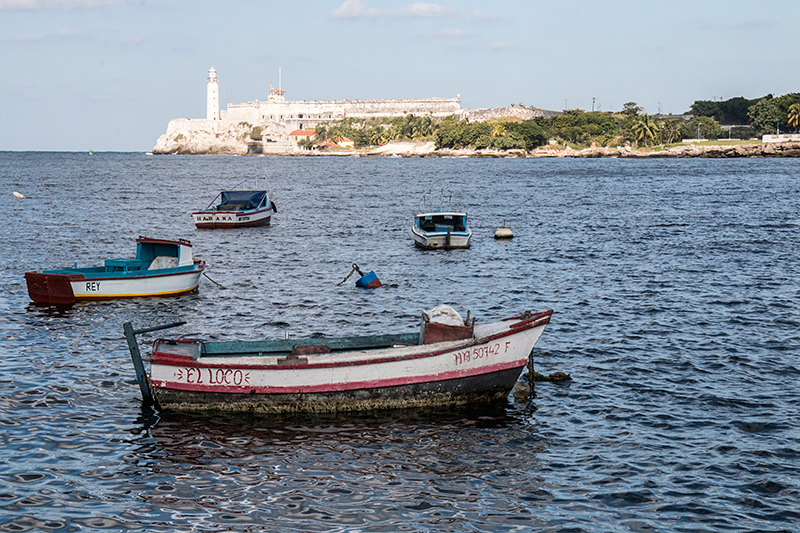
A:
229	225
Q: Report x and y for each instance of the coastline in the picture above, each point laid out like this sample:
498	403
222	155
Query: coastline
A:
707	149
427	149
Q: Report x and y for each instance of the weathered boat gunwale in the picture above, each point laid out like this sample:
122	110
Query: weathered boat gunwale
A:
351	343
282	349
101	274
246	348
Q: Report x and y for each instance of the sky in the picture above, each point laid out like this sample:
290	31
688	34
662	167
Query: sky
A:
108	75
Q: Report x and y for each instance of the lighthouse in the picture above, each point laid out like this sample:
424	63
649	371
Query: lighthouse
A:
212	100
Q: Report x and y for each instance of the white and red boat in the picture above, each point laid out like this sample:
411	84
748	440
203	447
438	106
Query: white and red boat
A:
161	268
236	209
445	362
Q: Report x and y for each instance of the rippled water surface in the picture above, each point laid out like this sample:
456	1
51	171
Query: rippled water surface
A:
675	290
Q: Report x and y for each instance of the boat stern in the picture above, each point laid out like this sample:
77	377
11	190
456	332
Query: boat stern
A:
51	289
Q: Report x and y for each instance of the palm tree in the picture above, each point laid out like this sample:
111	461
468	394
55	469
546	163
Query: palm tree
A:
422	128
377	135
645	130
335	135
499	130
669	131
322	133
794	115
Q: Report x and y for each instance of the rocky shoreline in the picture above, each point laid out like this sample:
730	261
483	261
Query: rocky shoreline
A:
785	149
428	149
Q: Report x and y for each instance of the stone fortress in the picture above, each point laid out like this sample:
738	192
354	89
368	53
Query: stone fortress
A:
265	126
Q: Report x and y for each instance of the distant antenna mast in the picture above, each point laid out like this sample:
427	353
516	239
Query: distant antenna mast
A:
279	78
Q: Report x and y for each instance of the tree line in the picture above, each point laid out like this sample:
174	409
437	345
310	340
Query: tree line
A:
575	127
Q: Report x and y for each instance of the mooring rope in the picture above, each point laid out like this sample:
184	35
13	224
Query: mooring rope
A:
212	281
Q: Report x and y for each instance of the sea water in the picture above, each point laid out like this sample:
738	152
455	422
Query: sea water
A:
674	285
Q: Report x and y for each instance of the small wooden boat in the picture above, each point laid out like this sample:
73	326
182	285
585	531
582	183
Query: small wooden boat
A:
441	228
236	209
448	361
161	268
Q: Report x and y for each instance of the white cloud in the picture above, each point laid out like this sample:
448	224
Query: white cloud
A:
53	5
353	9
422	10
59	35
499	46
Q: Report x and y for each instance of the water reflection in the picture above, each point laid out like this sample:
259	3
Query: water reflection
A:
357	470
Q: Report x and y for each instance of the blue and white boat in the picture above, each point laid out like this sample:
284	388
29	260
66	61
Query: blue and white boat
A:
161	268
441	228
236	209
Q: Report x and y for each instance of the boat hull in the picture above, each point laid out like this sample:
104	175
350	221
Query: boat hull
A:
59	289
232	219
475	370
433	241
441	230
480	389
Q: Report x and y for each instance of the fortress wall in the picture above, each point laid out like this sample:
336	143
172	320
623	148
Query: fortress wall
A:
439	107
243	113
339	109
284	117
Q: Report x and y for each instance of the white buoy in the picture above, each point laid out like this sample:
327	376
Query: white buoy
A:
503	232
18	195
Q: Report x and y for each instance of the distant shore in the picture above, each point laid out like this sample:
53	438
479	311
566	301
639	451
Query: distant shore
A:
722	150
706	149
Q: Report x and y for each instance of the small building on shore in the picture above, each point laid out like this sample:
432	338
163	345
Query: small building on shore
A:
301	135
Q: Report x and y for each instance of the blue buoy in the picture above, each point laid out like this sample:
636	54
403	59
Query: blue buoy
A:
369	280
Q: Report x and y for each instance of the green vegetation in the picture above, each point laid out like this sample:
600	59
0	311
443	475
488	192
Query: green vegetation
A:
574	127
495	135
762	115
376	131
